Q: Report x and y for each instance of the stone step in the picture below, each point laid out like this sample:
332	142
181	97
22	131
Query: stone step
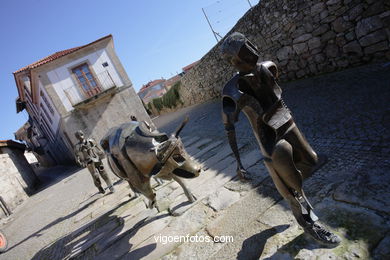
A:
257	173
211	179
193	251
129	242
181	205
207	149
193	184
221	177
188	141
93	237
196	147
189	223
245	211
130	223
222	153
87	207
248	243
204	174
237	221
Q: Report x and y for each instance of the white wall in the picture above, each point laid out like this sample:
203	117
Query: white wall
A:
61	78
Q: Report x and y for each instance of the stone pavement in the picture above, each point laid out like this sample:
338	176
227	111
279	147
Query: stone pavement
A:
344	115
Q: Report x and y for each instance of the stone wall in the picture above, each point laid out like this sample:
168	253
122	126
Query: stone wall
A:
17	178
304	38
96	118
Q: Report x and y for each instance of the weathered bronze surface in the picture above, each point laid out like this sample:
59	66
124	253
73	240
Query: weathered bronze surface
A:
287	155
89	155
136	154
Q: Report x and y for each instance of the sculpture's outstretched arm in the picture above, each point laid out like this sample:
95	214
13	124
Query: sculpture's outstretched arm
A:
231	133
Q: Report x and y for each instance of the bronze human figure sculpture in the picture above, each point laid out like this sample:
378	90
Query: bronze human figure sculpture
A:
136	154
287	155
89	155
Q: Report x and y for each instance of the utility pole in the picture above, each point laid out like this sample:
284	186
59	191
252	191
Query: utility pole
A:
212	30
249	2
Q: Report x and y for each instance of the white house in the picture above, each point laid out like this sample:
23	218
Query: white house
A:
82	88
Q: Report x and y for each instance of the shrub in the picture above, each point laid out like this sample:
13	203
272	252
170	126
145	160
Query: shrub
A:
170	99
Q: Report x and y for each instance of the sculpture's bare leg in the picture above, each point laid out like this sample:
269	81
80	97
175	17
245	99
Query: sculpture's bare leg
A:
95	176
104	175
307	160
288	180
187	192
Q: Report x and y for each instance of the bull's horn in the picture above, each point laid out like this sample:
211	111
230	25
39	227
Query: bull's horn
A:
178	130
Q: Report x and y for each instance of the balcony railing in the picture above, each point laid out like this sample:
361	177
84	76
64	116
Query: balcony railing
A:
77	95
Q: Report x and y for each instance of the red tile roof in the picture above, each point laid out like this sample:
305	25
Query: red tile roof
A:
188	67
58	54
158	93
151	84
173	80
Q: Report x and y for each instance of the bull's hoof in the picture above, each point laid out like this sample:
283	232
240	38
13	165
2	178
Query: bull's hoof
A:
152	204
243	175
192	198
101	190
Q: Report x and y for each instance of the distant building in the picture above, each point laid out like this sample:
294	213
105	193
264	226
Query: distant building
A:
83	88
17	178
190	66
172	81
153	89
157	88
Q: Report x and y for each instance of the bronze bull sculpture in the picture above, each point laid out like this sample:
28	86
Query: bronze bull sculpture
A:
136	154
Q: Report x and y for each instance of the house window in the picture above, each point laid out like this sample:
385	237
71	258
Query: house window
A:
46	114
47	103
86	80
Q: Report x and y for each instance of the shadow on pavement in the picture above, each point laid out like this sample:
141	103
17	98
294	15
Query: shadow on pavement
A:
57	221
50	176
254	245
80	243
294	246
64	246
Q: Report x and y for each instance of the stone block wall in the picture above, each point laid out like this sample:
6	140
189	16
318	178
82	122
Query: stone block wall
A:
109	111
17	178
304	38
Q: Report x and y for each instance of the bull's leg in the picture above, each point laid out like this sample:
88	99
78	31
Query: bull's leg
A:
138	181
136	193
187	192
148	192
159	181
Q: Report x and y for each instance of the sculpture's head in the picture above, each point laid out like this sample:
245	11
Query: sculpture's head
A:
240	52
176	158
79	135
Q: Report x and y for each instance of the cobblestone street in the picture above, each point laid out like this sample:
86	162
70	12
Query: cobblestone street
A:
345	115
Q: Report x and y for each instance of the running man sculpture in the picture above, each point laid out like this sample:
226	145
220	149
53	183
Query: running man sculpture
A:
89	155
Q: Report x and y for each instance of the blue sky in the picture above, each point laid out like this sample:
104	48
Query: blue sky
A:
153	38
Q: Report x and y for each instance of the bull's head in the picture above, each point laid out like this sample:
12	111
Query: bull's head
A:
175	158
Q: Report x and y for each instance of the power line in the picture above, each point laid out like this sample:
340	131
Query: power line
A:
211	28
221	15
